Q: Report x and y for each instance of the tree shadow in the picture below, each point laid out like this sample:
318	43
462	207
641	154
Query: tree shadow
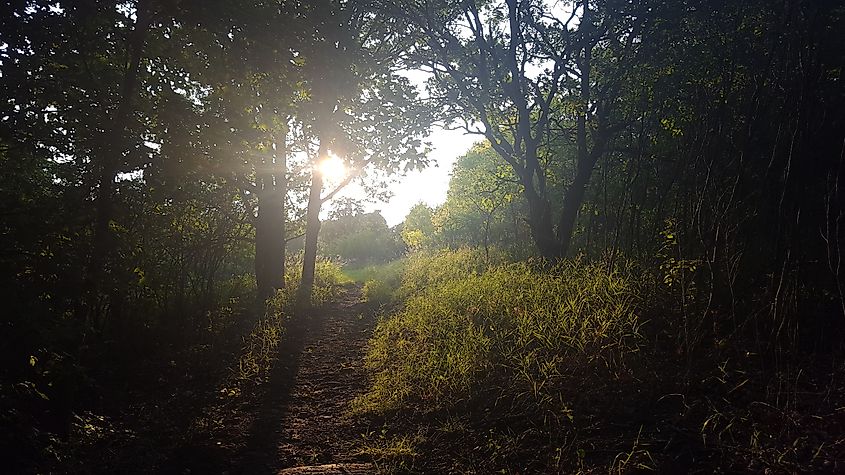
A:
260	453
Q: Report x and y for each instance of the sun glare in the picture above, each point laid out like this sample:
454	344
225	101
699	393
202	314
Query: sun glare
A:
332	168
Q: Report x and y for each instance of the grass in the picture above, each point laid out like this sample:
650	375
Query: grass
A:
386	272
390	453
525	335
379	281
328	280
261	344
525	367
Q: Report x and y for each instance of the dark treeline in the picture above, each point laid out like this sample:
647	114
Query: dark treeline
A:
157	157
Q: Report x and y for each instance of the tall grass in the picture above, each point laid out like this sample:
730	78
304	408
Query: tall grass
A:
261	344
380	281
388	272
425	270
329	278
514	332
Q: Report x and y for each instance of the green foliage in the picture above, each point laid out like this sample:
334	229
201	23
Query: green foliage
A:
483	206
418	229
360	238
328	280
378	292
676	272
261	345
534	337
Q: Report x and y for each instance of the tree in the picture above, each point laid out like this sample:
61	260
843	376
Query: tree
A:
480	204
521	76
358	238
360	110
418	228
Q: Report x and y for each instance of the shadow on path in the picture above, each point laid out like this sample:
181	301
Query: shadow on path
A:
301	417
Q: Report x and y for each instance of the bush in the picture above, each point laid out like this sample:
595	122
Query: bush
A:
328	279
377	292
534	337
424	271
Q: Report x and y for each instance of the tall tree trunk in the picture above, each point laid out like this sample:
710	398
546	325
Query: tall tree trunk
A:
572	202
282	181
270	225
585	161
269	250
540	221
312	230
109	160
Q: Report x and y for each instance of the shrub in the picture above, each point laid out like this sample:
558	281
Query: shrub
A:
328	280
377	292
532	337
424	271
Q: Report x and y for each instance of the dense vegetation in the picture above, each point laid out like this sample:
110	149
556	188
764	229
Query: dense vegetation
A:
638	266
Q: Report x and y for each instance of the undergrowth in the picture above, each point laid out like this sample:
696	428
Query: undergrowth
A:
261	344
515	333
379	281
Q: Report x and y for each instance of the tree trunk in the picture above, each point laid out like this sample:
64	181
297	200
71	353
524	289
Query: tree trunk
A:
540	223
103	242
270	225
312	230
572	202
282	184
269	244
585	160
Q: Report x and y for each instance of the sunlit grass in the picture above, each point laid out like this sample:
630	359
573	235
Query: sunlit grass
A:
514	330
389	271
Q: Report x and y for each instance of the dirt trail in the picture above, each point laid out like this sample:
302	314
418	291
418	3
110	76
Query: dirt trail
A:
302	421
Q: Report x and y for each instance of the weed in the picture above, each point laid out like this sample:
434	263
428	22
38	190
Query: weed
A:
524	334
390	453
262	343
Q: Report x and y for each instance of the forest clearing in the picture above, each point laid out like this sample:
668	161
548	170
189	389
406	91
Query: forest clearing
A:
422	236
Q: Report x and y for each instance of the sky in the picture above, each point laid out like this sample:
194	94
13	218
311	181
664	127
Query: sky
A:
428	185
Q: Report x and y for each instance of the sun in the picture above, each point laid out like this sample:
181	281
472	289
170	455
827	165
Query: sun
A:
332	168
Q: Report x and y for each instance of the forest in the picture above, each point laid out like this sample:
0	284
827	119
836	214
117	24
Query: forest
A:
637	267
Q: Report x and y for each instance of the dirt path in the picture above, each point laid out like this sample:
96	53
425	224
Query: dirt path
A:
302	419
